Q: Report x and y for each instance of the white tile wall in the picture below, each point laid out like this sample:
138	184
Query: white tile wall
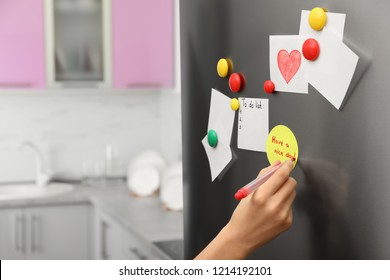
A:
170	111
72	126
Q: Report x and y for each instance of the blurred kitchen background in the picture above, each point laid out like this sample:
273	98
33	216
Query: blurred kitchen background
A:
90	130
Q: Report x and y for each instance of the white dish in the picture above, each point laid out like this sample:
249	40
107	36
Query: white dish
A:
171	193
144	181
149	158
144	173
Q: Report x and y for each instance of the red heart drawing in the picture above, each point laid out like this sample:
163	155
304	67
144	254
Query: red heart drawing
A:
289	63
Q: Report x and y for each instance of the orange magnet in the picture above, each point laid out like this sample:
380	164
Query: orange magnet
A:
311	49
269	86
317	18
236	82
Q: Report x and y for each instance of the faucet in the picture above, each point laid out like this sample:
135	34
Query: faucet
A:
42	177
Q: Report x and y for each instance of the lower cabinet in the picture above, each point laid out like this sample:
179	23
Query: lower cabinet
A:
50	232
115	242
67	232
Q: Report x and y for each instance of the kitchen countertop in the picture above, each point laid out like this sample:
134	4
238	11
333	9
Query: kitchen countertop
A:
144	217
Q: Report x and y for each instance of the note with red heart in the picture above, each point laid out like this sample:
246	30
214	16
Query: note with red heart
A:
289	63
287	66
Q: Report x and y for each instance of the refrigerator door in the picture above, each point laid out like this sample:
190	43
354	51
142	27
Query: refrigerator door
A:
342	209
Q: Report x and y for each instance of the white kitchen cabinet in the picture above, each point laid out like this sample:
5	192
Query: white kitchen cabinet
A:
108	236
115	242
12	234
49	232
78	43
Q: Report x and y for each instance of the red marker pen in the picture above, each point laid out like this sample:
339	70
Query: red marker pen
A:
252	186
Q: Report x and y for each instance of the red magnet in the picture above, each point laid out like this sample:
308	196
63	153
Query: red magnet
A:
236	82
311	49
269	86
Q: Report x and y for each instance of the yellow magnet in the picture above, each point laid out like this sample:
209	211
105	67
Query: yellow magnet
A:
235	104
224	67
317	18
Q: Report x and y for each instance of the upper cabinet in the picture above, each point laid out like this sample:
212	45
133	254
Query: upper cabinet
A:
86	43
142	43
22	52
78	43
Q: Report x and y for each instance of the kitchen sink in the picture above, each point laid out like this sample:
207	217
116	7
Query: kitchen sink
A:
25	191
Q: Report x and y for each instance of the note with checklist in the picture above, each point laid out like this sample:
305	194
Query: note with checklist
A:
253	122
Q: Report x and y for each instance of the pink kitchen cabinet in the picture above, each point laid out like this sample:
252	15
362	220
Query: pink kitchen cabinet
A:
142	43
22	53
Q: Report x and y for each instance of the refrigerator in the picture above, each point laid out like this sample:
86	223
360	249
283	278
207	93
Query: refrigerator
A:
342	208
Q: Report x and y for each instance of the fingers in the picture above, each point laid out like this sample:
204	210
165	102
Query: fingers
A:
277	180
265	170
289	220
285	213
285	191
289	200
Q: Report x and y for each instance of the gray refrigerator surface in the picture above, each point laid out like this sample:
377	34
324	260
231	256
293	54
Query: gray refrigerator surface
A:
342	209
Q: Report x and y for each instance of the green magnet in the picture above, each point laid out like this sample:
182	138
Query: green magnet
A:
212	138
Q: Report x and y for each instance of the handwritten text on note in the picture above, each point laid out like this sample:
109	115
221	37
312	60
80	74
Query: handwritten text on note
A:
253	123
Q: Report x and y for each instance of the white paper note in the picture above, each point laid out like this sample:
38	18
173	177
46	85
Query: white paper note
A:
253	122
220	110
287	64
221	119
331	73
335	22
219	157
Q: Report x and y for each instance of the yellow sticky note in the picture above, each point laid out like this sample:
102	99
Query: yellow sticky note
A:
281	145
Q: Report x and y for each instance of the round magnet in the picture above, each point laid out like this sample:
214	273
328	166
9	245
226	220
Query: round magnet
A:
236	82
224	67
235	104
311	49
317	18
269	86
212	138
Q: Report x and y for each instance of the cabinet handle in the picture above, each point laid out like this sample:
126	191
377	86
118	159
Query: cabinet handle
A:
17	226
103	245
34	233
15	85
19	238
138	254
143	85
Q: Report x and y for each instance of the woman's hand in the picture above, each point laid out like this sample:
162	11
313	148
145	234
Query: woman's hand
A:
258	218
